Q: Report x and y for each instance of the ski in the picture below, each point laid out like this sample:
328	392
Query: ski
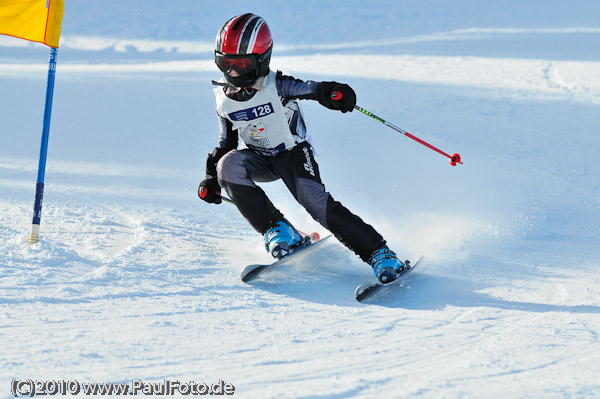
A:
252	272
369	290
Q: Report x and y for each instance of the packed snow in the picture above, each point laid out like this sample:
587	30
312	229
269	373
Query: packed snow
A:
136	279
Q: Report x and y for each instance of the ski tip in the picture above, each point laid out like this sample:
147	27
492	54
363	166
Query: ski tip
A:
245	278
250	272
364	291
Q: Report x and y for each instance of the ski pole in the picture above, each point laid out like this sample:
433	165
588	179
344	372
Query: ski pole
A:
454	158
225	199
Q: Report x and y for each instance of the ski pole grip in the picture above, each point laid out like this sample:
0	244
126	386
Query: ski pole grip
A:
203	192
336	95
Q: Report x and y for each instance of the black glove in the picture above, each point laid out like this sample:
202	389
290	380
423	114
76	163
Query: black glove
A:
210	191
338	96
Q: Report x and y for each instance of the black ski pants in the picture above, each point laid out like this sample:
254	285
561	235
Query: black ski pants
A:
238	171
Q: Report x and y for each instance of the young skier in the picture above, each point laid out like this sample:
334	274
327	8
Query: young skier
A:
261	107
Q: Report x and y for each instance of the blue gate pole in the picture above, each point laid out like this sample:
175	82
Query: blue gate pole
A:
39	188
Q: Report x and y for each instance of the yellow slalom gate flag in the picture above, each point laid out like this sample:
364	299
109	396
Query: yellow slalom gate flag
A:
34	20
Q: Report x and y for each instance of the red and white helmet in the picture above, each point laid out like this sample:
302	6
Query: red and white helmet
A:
243	49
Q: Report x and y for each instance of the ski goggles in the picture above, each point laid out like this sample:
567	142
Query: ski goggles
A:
241	63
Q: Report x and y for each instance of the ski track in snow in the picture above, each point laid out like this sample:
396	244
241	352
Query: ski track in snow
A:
136	279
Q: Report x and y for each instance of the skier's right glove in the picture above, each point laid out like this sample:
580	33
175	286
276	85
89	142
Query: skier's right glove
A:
210	191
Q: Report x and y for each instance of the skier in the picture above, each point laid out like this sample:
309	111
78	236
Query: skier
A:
261	107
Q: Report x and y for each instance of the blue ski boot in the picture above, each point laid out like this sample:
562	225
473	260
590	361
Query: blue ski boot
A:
282	239
385	264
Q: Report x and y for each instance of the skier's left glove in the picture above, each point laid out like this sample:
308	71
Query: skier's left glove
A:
210	191
334	95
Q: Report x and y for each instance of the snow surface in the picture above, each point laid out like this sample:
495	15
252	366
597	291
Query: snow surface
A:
136	279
